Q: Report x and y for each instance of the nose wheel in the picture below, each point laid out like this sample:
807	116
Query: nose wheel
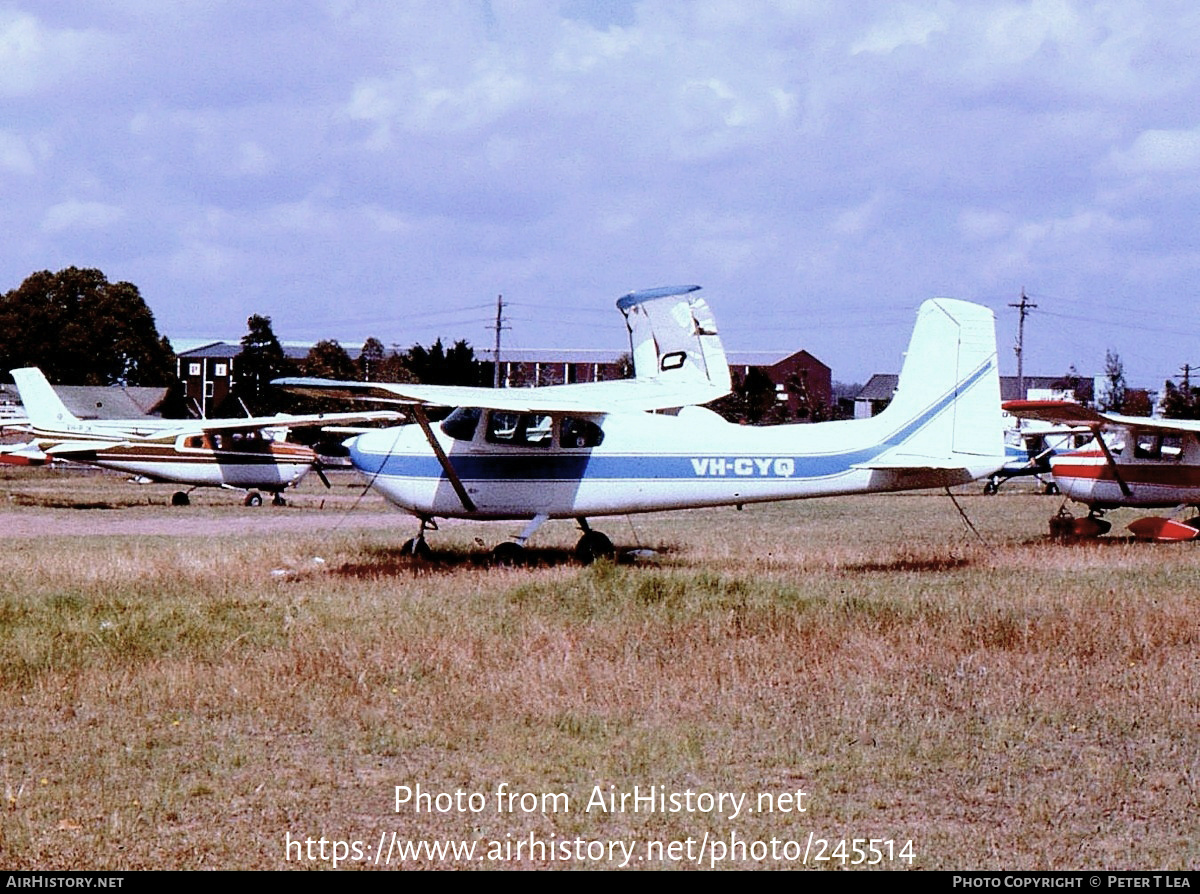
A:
416	547
593	545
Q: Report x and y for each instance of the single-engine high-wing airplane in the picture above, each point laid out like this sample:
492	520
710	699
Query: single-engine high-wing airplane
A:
1030	449
1133	461
591	449
230	453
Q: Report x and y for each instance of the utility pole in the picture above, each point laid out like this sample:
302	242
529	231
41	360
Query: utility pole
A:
496	352
1024	307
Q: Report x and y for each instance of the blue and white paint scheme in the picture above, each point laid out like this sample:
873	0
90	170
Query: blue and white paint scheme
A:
645	444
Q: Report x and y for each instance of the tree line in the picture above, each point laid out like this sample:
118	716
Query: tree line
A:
81	329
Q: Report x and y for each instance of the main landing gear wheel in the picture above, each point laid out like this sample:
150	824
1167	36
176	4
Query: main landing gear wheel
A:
1051	489
992	487
278	500
508	554
180	498
1065	526
417	548
254	498
593	546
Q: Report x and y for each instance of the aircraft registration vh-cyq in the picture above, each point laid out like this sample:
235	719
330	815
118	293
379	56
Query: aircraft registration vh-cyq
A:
645	444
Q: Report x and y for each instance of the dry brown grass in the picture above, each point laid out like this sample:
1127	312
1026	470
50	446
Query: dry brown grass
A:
170	702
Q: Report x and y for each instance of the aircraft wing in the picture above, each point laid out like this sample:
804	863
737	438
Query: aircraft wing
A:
1063	412
1057	412
23	454
585	398
282	420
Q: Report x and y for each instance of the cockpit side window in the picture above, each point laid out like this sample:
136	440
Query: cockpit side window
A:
1172	447
519	429
576	432
1147	445
461	423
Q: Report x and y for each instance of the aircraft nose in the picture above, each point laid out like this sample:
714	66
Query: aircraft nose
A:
370	448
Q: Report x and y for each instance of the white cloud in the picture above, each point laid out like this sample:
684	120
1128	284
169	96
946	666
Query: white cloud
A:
78	215
33	56
983	225
454	150
16	157
905	25
1160	152
860	219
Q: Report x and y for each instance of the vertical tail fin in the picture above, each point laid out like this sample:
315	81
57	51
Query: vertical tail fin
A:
674	337
43	406
947	402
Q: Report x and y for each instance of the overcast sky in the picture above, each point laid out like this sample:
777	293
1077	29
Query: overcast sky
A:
388	168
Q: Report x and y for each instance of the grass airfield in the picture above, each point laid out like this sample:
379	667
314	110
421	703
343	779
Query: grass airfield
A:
198	687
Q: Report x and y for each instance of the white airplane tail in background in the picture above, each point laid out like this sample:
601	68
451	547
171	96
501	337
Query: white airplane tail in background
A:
43	406
946	411
673	337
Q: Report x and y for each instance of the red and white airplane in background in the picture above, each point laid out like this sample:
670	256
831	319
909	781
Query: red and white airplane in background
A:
238	454
1133	461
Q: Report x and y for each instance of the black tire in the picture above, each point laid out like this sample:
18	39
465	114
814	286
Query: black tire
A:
1052	490
180	498
594	546
254	498
508	554
278	500
991	488
417	549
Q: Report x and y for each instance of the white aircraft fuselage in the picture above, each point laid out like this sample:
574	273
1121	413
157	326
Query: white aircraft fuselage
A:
646	462
199	460
648	443
1156	476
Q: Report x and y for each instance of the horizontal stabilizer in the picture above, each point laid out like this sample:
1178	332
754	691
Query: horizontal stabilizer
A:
65	449
916	464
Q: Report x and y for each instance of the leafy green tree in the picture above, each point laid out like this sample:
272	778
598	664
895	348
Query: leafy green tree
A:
437	366
370	360
1181	401
1113	399
328	360
80	329
752	401
262	359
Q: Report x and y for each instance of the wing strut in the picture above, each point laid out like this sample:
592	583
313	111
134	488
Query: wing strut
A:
1112	464
468	504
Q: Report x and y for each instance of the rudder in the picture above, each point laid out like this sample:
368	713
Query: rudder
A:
949	387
